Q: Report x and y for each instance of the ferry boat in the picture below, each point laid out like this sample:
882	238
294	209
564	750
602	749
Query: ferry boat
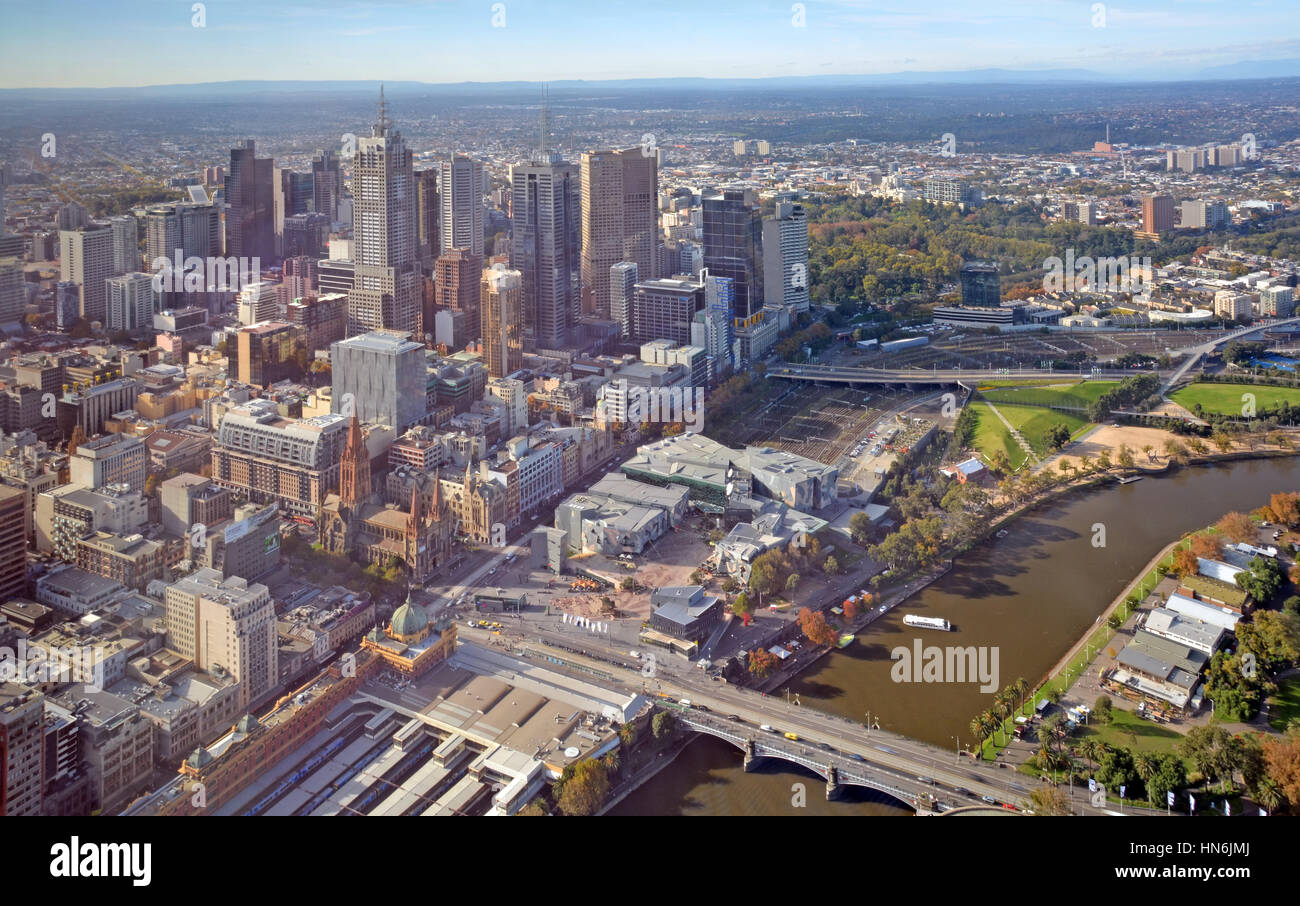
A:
846	639
927	622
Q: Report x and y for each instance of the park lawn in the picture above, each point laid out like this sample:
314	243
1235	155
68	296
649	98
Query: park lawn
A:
1285	705
1078	395
992	436
1226	399
1033	422
1131	732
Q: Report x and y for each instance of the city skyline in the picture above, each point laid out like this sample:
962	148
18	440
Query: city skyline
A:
1162	39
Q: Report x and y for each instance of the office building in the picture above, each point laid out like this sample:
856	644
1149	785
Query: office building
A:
1157	216
258	302
386	284
250	204
546	213
457	284
320	320
326	184
188	500
663	309
111	459
501	300
13	295
291	194
981	286
266	352
461	187
92	405
622	288
733	247
228	624
22	750
949	191
67	304
87	260
13	543
785	257
130	303
381	374
713	328
305	235
335	276
620	219
428	214
184	229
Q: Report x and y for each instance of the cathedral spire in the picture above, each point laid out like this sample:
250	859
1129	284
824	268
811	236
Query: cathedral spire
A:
413	521
354	468
437	498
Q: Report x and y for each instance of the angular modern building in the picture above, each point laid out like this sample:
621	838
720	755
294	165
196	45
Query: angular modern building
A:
502	309
981	286
620	219
382	376
622	289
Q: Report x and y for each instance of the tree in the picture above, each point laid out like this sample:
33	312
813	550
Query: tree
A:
1057	436
762	662
815	628
831	566
1282	767
1125	457
1049	800
584	793
1175	451
860	528
741	605
1222	440
792	582
663	724
1237	527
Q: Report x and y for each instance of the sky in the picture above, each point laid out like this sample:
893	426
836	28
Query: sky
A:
110	43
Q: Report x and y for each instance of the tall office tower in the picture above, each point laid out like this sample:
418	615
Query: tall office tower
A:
194	229
13	543
1157	215
386	286
22	750
291	193
67	304
427	214
385	375
87	260
228	622
461	187
458	284
502	304
733	247
622	286
130	304
335	275
250	205
305	234
126	243
258	302
785	257
546	210
664	309
981	285
620	220
12	291
326	184
71	216
717	334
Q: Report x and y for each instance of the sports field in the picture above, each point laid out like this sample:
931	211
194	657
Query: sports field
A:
1229	399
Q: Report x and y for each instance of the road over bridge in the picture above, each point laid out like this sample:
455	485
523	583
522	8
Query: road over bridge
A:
840	374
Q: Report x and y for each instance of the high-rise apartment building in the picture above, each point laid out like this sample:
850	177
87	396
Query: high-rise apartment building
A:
502	306
193	229
13	543
22	750
382	376
130	303
126	243
386	283
733	247
1157	216
785	257
87	260
228	624
13	293
250	204
462	188
620	219
546	213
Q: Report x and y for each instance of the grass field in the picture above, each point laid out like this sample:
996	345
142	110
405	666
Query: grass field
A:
991	436
1285	705
1128	730
1033	422
1226	399
1078	395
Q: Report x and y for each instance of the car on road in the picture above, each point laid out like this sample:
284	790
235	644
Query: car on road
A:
704	708
635	654
766	728
826	746
920	779
856	757
736	718
686	702
989	799
794	736
963	791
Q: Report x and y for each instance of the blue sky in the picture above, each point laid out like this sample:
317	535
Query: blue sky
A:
69	43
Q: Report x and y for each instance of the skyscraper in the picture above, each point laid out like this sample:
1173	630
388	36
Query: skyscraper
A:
462	187
12	293
326	184
620	219
785	257
194	229
250	206
386	286
1157	215
980	284
382	374
291	194
126	243
622	285
546	202
87	260
502	303
457	284
130	303
733	247
427	215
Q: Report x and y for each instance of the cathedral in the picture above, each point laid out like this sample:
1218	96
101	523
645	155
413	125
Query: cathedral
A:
356	524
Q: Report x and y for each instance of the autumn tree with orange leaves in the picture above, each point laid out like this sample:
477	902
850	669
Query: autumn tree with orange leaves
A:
816	629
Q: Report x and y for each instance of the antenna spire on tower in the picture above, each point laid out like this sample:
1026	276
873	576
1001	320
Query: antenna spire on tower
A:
381	127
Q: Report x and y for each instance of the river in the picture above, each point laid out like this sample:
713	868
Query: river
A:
1031	594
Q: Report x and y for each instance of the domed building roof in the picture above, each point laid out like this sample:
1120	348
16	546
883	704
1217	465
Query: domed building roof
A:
246	724
200	757
409	619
